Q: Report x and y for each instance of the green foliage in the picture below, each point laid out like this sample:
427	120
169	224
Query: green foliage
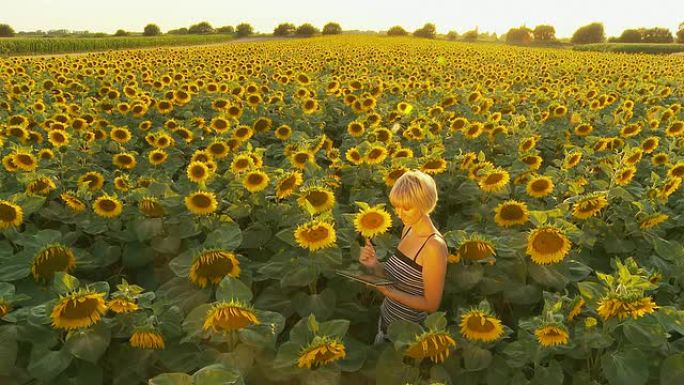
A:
229	29
151	30
630	36
521	35
306	30
201	28
121	32
244	30
590	33
632	48
427	31
452	35
544	33
6	30
284	29
471	35
332	29
397	30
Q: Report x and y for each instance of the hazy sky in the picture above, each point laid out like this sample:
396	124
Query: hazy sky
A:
489	15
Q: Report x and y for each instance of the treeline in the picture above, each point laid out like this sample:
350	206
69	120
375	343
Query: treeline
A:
523	35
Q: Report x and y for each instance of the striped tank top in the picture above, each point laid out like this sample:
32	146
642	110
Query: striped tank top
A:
409	276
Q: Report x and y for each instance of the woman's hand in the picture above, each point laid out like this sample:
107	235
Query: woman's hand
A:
367	256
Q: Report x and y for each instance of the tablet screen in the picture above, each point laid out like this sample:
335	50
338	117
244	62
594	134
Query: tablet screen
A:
369	279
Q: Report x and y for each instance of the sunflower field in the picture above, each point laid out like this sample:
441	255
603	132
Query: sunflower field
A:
176	216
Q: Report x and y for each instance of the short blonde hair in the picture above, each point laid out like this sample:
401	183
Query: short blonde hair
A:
415	188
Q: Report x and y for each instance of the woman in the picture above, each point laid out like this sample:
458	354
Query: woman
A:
419	263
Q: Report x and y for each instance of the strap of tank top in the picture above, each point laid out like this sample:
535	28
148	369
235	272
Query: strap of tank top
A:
424	243
407	231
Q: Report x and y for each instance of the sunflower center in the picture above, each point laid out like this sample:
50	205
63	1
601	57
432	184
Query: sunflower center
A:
25	159
433	165
480	324
79	308
512	212
301	157
198	171
52	259
317	198
494	178
201	200
547	242
107	205
7	213
215	267
255	179
372	220
540	185
316	234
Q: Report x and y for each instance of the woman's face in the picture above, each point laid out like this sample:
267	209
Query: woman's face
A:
408	214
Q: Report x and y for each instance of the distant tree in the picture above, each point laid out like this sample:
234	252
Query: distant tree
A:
306	30
630	36
452	35
680	33
656	35
471	35
202	28
521	35
428	31
6	30
244	29
151	30
179	31
544	33
332	29
397	31
121	32
226	29
590	33
284	29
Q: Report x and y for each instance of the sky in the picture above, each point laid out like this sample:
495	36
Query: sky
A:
264	15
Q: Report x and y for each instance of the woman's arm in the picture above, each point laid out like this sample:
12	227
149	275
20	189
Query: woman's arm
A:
379	269
434	271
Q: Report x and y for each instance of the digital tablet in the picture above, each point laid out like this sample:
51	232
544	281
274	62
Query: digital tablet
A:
368	279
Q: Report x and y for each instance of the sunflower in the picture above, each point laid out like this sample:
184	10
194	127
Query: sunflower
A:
571	160
146	338
219	124
354	156
46	154
8	163
475	248
156	157
318	199
218	149
120	135
528	144
93	179
212	266
321	351
151	207
107	206
356	128
125	160
163	141
372	221
241	163
25	161
79	309
58	138
589	206
547	245
434	166
164	106
5	308
41	186
255	181
539	186
299	159
122	305
583	129
477	325
243	132
288	184
201	202
309	106
229	316
283	132
73	202
625	175
315	235
510	213
669	187
550	335
11	215
650	144
675	129
676	171
494	180
611	306
433	344
576	308
51	259
653	220
198	172
377	154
